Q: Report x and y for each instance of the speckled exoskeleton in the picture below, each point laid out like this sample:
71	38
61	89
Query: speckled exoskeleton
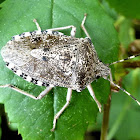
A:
50	58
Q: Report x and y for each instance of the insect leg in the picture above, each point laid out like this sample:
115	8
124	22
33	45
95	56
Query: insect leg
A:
83	27
73	30
37	25
68	98
93	96
41	95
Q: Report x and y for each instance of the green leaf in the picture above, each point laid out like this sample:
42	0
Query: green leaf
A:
127	118
0	128
110	11
126	33
1	1
128	8
34	118
124	112
1	113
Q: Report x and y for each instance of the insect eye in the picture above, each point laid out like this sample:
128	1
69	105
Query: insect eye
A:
98	77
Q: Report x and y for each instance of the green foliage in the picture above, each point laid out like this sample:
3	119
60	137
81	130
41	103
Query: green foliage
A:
124	112
126	32
110	11
128	8
34	118
125	118
0	128
1	112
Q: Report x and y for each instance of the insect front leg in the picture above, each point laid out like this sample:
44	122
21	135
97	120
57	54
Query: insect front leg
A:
73	30
68	98
83	27
40	96
93	96
37	25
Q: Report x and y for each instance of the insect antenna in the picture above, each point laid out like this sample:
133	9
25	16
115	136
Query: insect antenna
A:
133	56
124	91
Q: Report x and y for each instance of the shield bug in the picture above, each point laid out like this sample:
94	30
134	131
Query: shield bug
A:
49	58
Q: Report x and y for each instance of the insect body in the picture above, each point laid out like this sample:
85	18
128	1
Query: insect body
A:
54	59
49	58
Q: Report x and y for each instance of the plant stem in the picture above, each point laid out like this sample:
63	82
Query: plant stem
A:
105	122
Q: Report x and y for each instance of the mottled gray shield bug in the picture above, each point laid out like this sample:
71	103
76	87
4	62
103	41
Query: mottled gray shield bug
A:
49	58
